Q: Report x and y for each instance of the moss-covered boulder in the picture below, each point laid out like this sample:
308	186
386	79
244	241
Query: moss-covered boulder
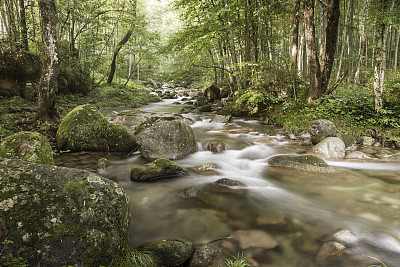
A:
160	168
85	128
28	146
59	216
305	162
212	93
170	252
166	139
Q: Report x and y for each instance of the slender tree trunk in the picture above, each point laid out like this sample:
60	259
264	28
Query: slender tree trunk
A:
328	57
24	29
313	62
396	51
115	54
48	82
380	56
295	46
344	41
363	39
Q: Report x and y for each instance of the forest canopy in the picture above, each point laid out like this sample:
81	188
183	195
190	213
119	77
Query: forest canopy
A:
340	56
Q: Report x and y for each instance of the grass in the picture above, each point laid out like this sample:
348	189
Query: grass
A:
239	261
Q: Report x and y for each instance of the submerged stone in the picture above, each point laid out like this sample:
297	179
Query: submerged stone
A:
85	128
170	252
59	216
28	146
160	168
305	162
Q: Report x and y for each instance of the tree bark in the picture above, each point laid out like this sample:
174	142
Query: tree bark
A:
313	62
295	46
331	34
363	40
48	86
24	29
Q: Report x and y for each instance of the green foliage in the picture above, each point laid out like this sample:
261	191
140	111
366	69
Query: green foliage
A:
8	259
239	261
135	258
113	96
351	107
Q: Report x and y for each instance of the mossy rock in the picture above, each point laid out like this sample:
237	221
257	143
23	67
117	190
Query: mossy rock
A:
160	168
28	146
305	162
86	129
58	216
169	252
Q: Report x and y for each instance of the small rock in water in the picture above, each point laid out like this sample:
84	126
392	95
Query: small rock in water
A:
220	119
226	185
206	169
254	238
216	147
357	155
102	164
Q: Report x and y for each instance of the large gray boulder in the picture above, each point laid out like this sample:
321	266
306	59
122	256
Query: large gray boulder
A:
85	128
166	139
59	216
28	146
330	148
320	129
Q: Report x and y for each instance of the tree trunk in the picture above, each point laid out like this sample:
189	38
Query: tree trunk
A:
24	29
295	46
363	39
396	52
313	62
48	81
344	41
115	54
328	57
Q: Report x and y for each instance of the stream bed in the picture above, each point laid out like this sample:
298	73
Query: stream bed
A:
298	210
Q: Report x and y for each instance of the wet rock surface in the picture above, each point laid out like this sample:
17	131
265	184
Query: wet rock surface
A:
59	216
160	168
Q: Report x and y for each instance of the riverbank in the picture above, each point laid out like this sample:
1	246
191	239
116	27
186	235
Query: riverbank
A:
19	114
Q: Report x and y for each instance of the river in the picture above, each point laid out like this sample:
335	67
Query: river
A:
297	209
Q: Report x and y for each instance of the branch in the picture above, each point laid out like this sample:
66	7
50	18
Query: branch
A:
214	67
337	83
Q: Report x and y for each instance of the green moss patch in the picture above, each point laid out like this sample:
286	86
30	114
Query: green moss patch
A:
28	146
85	128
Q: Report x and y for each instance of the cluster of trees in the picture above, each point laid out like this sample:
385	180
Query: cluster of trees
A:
259	48
91	34
242	42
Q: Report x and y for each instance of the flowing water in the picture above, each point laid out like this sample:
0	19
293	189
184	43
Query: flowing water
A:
295	208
